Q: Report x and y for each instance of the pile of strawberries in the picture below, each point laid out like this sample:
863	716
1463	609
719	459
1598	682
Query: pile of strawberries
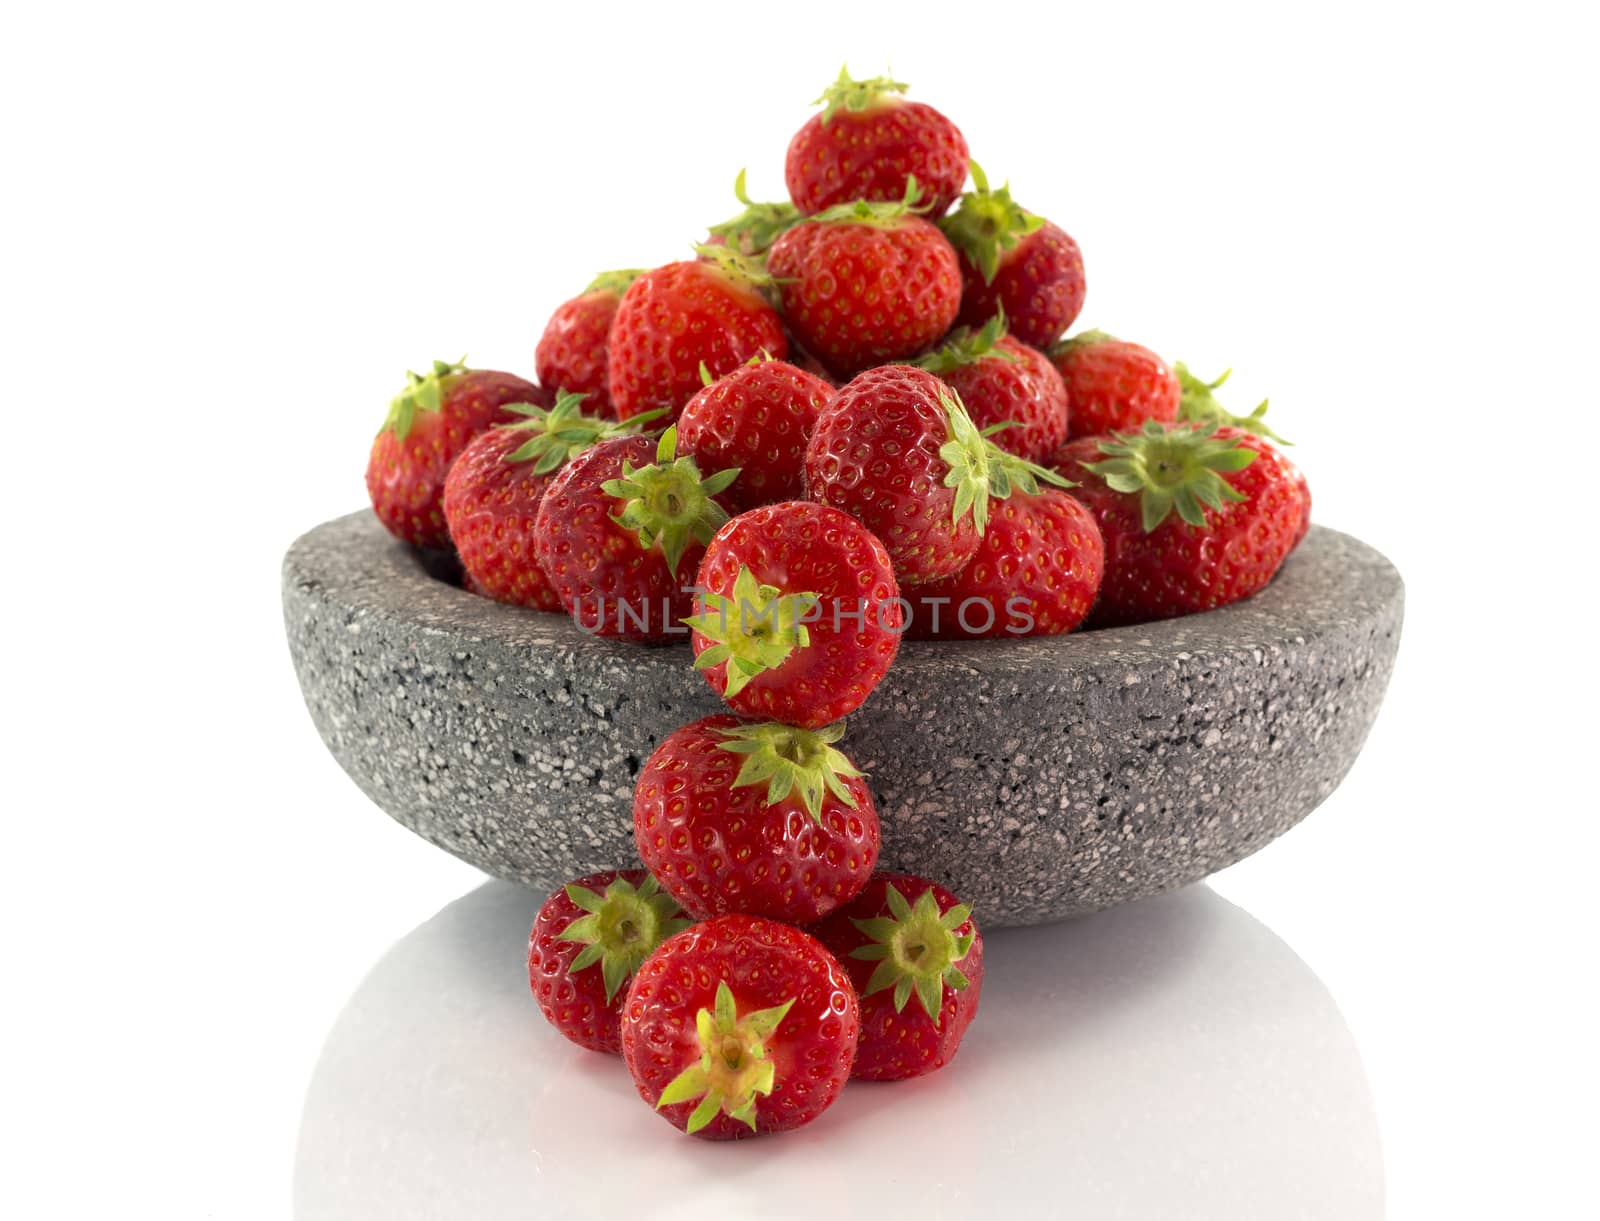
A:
850	418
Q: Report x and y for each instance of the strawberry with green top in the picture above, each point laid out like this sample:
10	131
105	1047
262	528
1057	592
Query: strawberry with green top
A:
1014	261
588	940
429	423
675	319
571	354
797	615
915	957
863	283
493	491
1113	385
752	231
897	451
740	1026
1004	381
1193	516
758	419
620	532
867	142
761	818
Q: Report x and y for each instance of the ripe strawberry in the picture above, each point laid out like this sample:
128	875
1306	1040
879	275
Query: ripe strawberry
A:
798	615
867	142
865	283
753	230
1113	385
587	941
1036	573
764	819
740	1026
1015	261
621	530
756	418
1004	381
429	424
1241	506
492	495
916	958
572	351
897	451
679	317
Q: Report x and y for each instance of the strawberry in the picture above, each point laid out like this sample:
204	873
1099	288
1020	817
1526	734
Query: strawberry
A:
753	230
916	959
1036	573
1004	381
572	351
679	317
1015	261
897	451
765	819
492	495
756	418
865	144
740	1026
620	531
798	615
1113	385
1241	507
587	941
429	424
865	283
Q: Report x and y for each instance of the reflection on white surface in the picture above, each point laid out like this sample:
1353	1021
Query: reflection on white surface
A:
1168	1059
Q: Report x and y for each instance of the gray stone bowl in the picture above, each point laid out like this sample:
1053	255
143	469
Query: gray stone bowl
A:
1037	778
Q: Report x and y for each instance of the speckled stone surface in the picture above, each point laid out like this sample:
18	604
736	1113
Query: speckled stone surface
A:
1037	779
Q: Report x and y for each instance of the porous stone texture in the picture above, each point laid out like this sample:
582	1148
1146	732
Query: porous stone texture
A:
1036	778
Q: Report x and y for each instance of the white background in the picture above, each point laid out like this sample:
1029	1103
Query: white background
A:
229	229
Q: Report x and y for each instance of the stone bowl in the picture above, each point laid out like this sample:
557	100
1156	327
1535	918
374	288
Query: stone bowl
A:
1037	778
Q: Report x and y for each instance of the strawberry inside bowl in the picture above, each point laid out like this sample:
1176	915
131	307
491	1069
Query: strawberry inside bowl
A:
1039	778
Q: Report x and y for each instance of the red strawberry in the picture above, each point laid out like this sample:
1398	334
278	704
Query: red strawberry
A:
897	451
798	615
572	351
1015	261
740	1026
866	283
1113	385
619	534
1241	506
679	317
916	958
1003	381
1036	573
587	941
867	142
492	495
753	230
429	424
764	819
756	418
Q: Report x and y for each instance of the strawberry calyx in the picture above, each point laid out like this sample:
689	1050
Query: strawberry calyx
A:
876	212
847	93
423	392
616	282
621	928
979	469
1173	467
745	269
967	347
916	950
1083	339
562	432
734	1067
790	760
754	230
668	503
985	223
1199	405
755	630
